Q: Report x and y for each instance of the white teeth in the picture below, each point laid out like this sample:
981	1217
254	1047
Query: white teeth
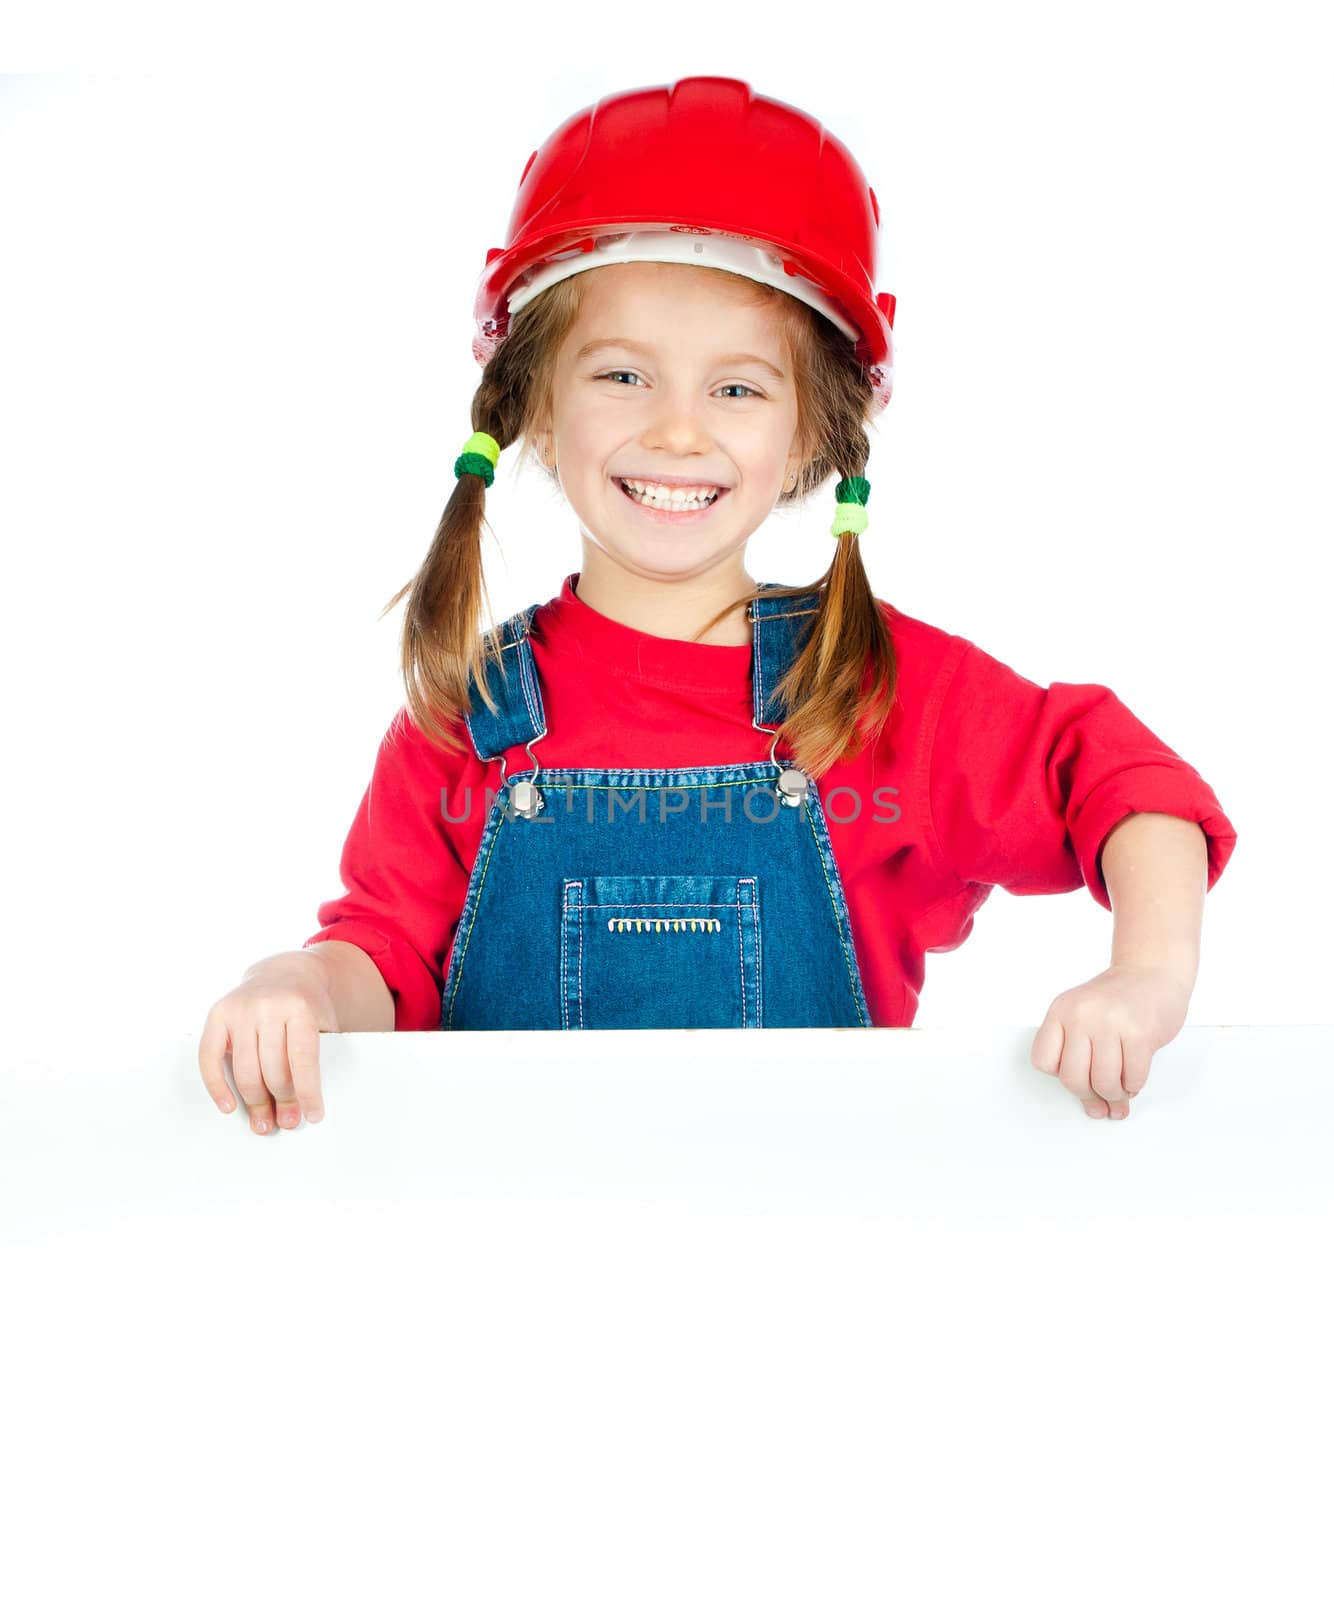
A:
660	494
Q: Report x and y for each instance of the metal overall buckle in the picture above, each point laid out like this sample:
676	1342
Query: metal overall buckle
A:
525	798
792	783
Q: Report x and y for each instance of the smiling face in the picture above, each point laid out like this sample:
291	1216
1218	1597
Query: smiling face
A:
691	382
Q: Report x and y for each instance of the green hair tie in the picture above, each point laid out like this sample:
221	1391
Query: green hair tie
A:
480	454
850	516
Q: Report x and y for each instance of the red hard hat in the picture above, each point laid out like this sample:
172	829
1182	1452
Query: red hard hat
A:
701	170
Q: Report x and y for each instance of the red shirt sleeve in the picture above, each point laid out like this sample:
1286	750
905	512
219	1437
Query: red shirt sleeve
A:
404	880
1026	783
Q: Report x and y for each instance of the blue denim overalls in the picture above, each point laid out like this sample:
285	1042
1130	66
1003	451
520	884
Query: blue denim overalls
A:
693	897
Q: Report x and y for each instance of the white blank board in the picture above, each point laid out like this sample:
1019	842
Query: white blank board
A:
654	1314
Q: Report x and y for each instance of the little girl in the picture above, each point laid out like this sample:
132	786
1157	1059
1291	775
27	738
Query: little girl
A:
671	796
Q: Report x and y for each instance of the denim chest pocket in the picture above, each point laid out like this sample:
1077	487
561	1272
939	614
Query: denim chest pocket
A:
665	951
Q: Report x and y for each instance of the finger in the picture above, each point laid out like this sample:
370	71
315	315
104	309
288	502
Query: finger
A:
277	1074
212	1050
1137	1057
273	1058
303	1056
1076	1063
1074	1069
249	1079
1105	1075
1046	1052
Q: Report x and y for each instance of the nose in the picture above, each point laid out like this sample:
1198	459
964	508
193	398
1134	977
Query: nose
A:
677	429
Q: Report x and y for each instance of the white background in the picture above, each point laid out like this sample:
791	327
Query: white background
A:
237	263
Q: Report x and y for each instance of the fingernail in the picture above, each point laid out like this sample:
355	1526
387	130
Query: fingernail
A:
226	1105
317	1115
261	1126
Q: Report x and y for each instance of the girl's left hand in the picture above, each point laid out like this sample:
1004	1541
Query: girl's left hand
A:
1099	1038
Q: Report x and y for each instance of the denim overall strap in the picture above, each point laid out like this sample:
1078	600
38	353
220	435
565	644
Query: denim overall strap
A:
519	715
781	626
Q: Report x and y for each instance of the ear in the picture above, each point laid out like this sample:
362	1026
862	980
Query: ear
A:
798	455
544	443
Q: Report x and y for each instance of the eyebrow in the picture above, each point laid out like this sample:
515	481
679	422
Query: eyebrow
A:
594	345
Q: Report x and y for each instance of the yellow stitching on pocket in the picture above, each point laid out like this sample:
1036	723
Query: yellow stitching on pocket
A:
664	924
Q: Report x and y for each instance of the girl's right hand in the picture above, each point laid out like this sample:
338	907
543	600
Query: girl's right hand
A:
270	1024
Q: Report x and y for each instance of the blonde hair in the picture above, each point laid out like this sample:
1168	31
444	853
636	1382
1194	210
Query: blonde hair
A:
832	709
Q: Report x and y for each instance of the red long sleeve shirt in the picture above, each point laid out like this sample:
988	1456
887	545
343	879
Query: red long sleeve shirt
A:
979	778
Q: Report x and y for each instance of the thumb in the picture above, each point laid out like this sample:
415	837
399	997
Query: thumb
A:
1047	1045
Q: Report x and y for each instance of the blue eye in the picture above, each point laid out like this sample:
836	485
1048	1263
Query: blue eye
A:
623	372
